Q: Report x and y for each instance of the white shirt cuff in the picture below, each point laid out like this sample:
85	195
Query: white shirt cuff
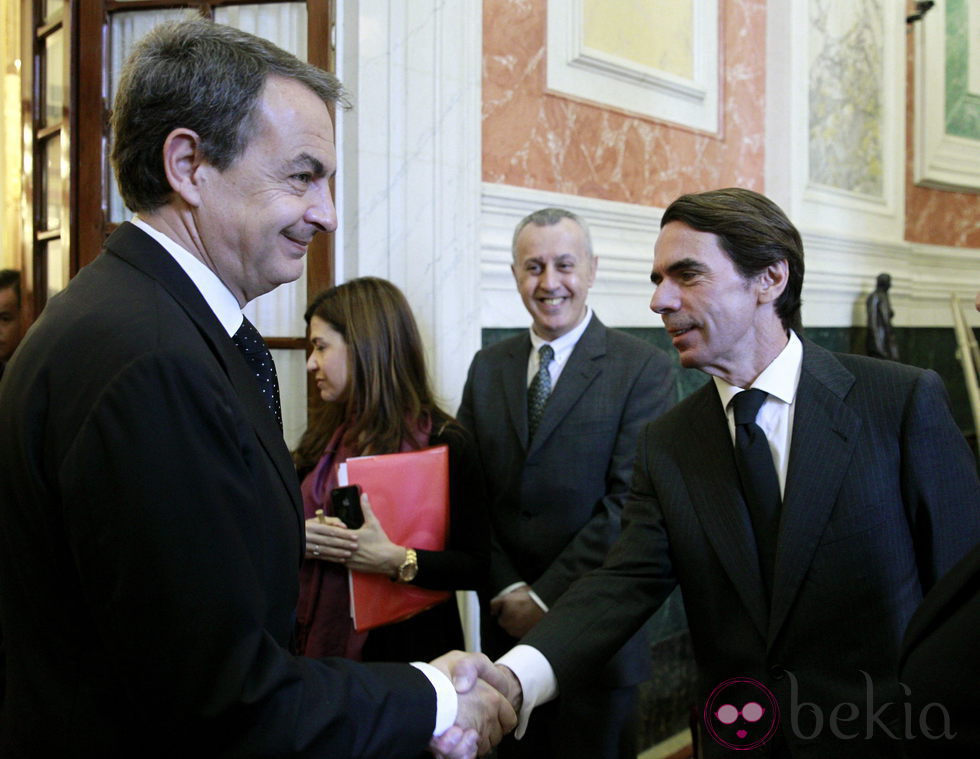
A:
509	589
537	679
446	700
537	599
516	586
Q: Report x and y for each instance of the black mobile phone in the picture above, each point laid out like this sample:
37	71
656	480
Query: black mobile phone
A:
347	505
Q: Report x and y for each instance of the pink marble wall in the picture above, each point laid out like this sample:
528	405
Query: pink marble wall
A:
545	141
934	217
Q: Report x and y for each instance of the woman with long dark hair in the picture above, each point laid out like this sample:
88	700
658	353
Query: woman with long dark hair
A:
368	363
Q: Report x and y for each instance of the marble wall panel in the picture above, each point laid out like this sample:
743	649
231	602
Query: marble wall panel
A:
539	140
935	217
846	96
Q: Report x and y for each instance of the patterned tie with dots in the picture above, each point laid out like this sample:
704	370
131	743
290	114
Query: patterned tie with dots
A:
540	389
259	359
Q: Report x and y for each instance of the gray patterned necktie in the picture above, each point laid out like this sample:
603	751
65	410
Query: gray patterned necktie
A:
540	389
256	353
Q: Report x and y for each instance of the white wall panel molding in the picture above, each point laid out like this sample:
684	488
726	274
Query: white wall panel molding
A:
937	272
841	272
947	159
835	114
598	76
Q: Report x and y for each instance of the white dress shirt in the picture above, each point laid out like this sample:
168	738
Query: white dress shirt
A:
226	309
563	347
213	290
780	379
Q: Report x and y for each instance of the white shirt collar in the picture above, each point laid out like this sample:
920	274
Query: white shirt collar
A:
780	379
566	342
218	297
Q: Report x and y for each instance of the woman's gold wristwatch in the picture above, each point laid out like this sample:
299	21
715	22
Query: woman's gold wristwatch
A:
409	568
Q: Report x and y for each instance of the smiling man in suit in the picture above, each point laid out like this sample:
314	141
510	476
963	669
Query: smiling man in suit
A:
803	531
555	413
151	526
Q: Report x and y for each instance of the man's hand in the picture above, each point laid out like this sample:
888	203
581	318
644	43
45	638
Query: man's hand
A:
455	743
516	612
484	715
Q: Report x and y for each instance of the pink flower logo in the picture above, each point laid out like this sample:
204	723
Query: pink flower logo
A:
741	714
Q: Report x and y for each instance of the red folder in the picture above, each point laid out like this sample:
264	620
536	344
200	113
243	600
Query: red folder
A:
409	494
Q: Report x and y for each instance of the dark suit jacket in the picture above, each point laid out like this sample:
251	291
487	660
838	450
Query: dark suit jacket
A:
881	499
940	665
150	538
555	504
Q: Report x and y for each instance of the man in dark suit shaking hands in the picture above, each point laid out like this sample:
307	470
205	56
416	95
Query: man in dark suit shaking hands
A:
151	527
801	559
555	413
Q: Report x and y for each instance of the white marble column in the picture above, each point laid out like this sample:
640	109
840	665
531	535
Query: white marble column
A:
409	180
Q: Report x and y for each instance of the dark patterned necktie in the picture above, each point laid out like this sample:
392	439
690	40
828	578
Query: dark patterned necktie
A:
760	484
259	359
540	389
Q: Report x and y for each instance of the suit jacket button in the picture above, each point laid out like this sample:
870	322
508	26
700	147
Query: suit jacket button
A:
777	673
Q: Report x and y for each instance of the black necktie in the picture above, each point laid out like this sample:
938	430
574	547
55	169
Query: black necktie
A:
539	390
760	484
259	359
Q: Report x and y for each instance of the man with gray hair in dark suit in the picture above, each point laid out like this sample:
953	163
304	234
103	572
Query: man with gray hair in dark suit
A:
151	523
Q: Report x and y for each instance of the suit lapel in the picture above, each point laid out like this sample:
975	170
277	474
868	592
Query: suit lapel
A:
513	378
141	251
824	430
708	467
582	368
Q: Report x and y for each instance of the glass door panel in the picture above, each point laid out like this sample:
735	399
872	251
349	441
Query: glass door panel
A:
125	30
57	266
54	78
52	189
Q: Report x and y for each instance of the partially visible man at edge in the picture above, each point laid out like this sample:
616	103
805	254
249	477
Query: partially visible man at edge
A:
11	321
150	520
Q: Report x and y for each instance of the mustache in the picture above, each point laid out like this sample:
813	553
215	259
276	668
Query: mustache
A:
678	324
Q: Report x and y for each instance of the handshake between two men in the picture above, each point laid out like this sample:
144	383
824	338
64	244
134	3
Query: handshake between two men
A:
489	700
